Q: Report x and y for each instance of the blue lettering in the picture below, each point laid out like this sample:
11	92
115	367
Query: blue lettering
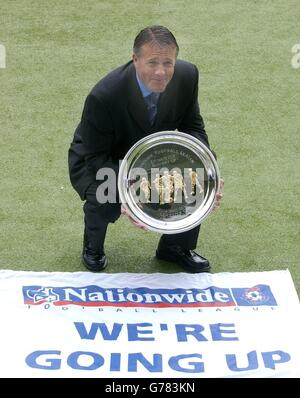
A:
270	361
52	363
115	362
133	360
218	329
134	332
232	363
74	357
194	367
85	335
195	330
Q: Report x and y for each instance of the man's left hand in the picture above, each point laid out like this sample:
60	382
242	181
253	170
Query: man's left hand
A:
219	195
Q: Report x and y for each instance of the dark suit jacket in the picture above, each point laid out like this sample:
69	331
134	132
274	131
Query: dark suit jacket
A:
115	117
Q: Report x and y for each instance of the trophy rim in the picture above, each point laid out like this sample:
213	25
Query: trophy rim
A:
179	138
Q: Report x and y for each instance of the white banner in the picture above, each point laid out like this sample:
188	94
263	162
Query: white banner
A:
149	325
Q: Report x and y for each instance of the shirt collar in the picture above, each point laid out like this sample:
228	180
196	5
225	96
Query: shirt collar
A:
144	89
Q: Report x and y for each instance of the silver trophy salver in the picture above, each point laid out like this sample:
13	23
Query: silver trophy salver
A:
168	182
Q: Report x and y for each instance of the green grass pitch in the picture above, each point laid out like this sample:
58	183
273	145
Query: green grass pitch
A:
249	96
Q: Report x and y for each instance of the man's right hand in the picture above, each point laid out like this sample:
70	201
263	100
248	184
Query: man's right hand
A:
135	223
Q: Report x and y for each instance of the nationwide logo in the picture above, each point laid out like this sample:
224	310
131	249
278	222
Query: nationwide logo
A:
96	296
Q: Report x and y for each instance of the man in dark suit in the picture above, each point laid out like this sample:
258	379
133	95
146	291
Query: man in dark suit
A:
117	113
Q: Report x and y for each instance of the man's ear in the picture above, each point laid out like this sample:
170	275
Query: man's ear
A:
134	58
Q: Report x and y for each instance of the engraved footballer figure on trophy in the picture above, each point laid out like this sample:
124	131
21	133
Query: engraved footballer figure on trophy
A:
169	188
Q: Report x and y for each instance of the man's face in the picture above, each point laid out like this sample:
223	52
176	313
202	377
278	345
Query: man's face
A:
155	66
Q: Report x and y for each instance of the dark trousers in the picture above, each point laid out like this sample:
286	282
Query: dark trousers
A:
97	217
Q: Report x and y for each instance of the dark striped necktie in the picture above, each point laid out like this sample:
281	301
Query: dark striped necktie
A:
151	102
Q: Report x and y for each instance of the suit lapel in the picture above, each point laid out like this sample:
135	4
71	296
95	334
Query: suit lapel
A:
136	104
137	107
165	103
